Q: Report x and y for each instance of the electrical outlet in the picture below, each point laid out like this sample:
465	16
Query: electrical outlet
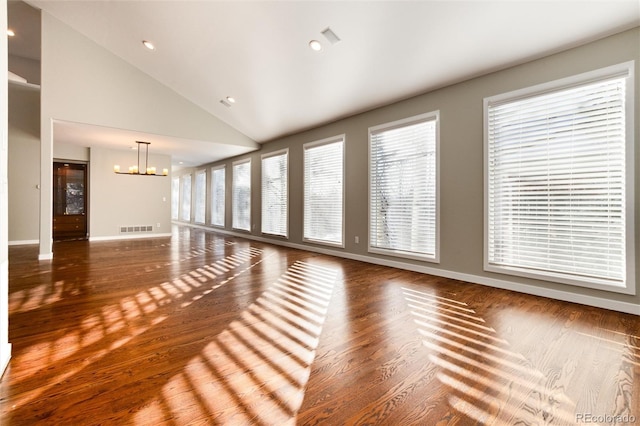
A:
357	239
158	225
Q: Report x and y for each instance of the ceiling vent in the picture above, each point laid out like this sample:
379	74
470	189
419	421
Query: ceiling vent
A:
331	36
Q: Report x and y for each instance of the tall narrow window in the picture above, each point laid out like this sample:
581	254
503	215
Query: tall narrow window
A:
241	197
175	198
201	196
185	208
323	191
217	195
403	196
275	193
559	197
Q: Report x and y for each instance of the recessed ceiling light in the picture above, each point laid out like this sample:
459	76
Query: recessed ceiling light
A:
231	99
10	32
148	45
315	45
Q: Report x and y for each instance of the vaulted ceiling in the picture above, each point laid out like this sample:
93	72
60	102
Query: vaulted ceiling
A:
258	51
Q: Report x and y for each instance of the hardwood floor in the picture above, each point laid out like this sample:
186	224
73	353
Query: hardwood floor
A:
206	329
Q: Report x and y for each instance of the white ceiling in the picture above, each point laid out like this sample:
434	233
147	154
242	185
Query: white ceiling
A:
257	51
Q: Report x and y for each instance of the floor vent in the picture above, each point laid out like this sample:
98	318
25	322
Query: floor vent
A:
136	228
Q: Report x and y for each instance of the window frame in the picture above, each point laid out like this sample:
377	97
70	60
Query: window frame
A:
214	199
405	122
233	194
263	157
628	285
310	145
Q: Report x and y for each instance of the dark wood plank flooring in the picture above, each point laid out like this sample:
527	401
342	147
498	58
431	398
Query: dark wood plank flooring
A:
205	329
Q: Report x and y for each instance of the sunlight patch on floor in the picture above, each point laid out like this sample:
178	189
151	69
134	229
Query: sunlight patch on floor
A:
257	368
114	326
487	380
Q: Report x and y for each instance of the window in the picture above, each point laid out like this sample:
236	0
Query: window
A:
403	182
323	191
185	211
217	195
201	196
241	195
559	181
275	193
175	198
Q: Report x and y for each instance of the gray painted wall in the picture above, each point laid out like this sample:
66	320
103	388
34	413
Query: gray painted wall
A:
24	163
461	167
26	68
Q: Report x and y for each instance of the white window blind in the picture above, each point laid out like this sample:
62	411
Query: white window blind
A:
241	196
556	184
185	208
323	191
201	196
275	193
175	198
217	196
403	188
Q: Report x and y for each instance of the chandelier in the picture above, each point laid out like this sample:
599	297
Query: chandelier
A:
141	171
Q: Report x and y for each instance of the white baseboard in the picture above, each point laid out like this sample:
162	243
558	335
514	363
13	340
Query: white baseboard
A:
128	237
598	302
45	256
23	242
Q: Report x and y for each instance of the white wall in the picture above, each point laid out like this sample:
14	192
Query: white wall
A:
66	151
117	200
84	83
5	347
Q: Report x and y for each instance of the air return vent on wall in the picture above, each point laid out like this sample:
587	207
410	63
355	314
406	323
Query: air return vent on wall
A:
136	228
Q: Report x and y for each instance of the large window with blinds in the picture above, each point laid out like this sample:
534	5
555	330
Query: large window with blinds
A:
323	191
559	181
275	194
241	195
218	195
403	188
201	196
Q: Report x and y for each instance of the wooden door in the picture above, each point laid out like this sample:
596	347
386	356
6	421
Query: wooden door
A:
69	201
